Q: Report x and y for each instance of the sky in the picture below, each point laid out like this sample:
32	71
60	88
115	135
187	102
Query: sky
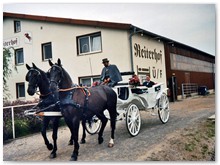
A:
193	24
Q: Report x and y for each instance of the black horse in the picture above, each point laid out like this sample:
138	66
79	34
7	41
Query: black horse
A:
78	104
38	78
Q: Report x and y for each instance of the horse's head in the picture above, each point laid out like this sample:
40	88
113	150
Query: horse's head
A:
56	74
33	77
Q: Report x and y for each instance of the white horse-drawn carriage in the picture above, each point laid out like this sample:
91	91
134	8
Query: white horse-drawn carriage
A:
133	99
74	103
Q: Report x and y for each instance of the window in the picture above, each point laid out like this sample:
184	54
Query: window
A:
46	51
17	26
20	90
19	56
89	43
88	81
179	62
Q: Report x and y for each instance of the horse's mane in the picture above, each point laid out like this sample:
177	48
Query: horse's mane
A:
67	77
43	75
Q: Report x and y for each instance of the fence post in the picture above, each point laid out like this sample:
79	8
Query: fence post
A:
182	92
13	121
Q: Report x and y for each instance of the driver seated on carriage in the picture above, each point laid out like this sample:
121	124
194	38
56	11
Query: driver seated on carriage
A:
110	74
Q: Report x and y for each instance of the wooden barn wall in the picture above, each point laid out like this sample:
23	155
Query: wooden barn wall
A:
199	78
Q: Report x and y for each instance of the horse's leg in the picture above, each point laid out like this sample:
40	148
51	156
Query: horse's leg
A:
71	139
46	121
75	133
113	115
83	140
54	136
104	121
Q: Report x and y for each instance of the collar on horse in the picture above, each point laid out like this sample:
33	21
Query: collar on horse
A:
69	101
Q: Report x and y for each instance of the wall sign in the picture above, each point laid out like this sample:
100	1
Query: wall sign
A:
11	42
28	37
147	53
153	72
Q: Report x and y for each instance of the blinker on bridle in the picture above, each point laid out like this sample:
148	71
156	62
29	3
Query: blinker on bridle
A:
27	77
61	71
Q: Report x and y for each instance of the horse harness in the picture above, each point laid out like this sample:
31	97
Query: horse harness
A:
69	101
70	91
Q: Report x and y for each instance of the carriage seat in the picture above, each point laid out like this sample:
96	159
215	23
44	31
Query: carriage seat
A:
123	93
137	91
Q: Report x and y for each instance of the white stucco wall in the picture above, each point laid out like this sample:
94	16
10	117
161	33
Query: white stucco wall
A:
115	47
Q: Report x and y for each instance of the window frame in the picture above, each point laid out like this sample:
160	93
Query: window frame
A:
16	59
16	29
92	78
43	51
18	91
90	42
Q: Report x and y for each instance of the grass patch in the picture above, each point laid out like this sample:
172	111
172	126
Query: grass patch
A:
190	146
195	143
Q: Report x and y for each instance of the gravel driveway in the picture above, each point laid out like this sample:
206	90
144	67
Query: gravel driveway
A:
182	115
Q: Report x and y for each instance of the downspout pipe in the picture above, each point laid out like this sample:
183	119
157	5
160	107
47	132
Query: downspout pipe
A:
131	52
130	41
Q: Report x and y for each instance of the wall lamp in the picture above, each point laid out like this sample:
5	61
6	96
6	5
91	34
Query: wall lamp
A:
157	38
135	32
171	43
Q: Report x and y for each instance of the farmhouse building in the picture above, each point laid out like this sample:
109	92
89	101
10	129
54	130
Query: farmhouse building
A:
82	44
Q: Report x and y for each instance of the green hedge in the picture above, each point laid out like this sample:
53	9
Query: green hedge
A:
24	125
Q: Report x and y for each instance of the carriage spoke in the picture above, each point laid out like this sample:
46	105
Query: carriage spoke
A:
129	122
134	128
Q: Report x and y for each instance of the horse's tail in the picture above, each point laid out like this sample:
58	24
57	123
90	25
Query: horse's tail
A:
111	98
111	106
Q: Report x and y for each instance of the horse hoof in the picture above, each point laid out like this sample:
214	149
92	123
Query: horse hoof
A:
100	140
53	155
50	146
110	145
73	159
70	142
83	141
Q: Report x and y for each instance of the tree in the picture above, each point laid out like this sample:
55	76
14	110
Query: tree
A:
7	70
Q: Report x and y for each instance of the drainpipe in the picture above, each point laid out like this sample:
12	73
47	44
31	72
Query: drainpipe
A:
131	50
213	75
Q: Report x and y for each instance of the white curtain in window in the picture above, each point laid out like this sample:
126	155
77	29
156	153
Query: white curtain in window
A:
96	43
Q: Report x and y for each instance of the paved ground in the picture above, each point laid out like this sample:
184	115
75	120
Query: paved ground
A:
184	114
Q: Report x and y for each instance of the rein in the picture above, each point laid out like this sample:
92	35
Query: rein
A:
41	95
69	89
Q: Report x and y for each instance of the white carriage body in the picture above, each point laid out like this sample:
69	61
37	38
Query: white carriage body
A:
143	97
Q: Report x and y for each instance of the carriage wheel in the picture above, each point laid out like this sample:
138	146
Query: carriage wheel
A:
133	120
163	108
93	126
